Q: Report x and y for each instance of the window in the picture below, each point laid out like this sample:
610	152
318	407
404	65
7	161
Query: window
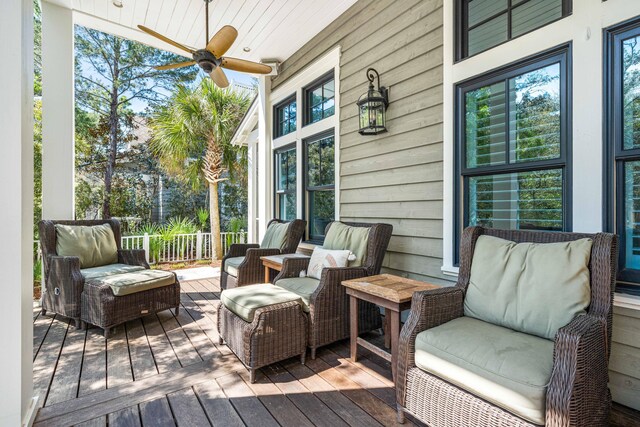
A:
285	117
483	24
286	184
320	184
512	147
320	99
622	154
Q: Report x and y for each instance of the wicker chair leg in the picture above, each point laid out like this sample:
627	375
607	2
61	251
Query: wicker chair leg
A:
313	353
252	375
220	340
77	322
400	415
43	311
107	332
303	357
85	326
177	311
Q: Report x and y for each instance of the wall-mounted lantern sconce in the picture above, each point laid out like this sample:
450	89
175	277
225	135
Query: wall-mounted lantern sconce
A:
372	106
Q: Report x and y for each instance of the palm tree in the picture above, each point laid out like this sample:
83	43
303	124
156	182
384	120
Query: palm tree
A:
191	137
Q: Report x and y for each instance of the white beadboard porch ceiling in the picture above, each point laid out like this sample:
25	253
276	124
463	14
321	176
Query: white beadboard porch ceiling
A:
272	29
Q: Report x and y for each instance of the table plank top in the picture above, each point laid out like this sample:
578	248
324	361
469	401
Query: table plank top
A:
392	288
279	259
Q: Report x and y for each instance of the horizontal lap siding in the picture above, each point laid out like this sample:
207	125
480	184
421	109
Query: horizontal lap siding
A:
395	177
624	366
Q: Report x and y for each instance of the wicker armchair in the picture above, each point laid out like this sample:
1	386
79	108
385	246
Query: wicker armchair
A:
577	394
63	282
329	303
250	270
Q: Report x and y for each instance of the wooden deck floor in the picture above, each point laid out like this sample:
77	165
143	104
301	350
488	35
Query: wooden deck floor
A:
167	370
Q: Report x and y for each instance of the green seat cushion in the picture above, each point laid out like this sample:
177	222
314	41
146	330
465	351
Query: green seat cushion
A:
354	239
137	281
276	236
231	265
302	286
245	300
94	245
505	367
108	270
535	288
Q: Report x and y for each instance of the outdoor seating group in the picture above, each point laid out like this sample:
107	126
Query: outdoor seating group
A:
89	278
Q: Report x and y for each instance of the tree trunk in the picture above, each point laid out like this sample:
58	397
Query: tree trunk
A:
214	217
113	140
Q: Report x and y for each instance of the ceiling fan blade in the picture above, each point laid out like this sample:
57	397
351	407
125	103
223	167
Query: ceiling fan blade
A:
245	66
165	39
222	40
178	65
219	78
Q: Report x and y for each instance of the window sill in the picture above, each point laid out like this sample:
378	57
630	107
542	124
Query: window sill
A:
631	302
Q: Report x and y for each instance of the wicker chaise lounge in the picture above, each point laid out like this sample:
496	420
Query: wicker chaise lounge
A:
242	265
459	365
96	281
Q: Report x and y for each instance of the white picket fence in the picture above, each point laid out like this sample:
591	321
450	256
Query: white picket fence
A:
175	248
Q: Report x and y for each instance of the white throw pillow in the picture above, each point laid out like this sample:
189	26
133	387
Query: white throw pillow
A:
324	258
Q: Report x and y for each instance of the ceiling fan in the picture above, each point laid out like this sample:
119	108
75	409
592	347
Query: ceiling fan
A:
210	58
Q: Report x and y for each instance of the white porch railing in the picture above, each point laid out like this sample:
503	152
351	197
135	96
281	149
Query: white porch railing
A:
174	248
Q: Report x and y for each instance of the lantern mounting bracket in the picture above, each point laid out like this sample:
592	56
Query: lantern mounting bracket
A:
372	75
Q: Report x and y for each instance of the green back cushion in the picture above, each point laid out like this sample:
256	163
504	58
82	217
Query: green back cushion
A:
529	287
354	239
94	245
276	236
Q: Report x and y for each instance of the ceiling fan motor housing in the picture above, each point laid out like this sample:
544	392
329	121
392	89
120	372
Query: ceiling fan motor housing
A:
206	60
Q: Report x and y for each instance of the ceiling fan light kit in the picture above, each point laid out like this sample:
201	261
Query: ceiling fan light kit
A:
211	58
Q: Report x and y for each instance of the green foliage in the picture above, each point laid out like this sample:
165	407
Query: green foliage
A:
203	218
37	165
184	200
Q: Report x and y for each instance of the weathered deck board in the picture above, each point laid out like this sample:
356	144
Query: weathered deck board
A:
168	370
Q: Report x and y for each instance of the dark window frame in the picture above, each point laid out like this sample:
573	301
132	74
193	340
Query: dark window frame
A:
315	239
562	55
462	30
276	178
276	123
306	95
614	156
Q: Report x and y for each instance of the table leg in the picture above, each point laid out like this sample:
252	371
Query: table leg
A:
353	306
394	329
385	329
266	274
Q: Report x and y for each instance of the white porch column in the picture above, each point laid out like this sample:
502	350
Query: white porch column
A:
16	193
265	193
58	125
252	214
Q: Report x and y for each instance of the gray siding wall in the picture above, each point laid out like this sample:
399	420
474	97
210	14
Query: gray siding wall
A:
624	365
395	177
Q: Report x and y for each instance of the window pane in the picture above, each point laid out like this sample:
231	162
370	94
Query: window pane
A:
632	215
291	170
479	10
517	201
534	115
631	92
485	126
329	108
292	116
287	206
321	211
534	14
487	35
329	89
286	163
320	162
316	96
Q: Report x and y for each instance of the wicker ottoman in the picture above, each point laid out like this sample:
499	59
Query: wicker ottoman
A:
112	300
262	324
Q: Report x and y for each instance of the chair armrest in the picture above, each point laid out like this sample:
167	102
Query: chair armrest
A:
239	249
63	278
291	267
330	288
256	253
133	257
580	374
428	310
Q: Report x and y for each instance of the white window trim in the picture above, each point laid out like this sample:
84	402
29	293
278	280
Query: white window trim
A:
296	84
584	29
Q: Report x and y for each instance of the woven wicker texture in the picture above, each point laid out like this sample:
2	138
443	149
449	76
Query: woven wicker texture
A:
577	394
251	271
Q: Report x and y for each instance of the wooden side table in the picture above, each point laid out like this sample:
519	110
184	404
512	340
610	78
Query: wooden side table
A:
274	262
391	292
